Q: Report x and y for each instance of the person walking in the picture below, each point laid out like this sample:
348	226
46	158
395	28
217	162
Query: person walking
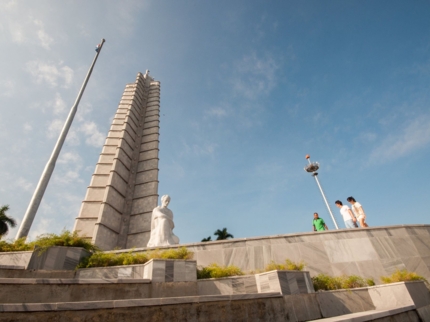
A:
358	211
348	217
318	224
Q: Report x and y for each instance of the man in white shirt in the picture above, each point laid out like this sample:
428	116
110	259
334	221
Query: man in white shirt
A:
348	216
358	211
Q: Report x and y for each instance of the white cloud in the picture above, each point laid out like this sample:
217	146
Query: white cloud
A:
70	157
54	128
50	74
413	137
217	111
206	149
58	104
24	184
94	136
254	76
45	39
27	127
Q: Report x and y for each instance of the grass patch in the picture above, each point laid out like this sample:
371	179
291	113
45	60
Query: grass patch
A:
100	259
402	276
325	282
288	266
216	271
43	242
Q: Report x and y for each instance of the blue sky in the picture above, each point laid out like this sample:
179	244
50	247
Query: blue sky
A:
248	88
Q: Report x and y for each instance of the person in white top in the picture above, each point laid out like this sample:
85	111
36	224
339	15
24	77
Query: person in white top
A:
358	211
348	217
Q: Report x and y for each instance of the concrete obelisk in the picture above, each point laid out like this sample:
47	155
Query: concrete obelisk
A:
116	211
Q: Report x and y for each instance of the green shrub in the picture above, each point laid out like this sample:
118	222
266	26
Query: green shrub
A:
216	271
18	245
402	276
100	259
328	283
288	266
43	242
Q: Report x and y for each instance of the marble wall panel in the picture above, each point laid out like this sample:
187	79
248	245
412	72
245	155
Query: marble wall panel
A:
140	223
149	146
384	247
119	168
282	240
313	252
215	287
90	209
119	184
210	256
148	155
147	176
126	147
404	246
345	268
422	244
99	180
152	118
346	251
111	218
109	149
426	260
339	303
104	238
143	205
306	306
281	252
138	240
236	256
112	141
114	199
85	226
147	165
392	264
123	157
151	130
150	137
103	169
418	231
95	194
417	265
106	158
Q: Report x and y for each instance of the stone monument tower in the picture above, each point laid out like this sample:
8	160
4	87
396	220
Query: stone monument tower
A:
116	211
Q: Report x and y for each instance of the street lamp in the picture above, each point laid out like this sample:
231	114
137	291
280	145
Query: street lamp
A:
312	167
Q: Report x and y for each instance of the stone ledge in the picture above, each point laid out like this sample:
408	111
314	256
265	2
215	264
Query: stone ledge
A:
32	281
367	315
93	305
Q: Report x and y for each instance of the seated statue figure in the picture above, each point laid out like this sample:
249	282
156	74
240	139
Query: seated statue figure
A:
162	225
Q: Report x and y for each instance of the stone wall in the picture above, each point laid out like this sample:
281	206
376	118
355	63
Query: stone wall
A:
369	252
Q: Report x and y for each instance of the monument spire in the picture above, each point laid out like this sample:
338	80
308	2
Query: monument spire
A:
116	211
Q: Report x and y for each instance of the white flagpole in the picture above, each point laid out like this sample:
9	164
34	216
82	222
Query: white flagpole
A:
24	228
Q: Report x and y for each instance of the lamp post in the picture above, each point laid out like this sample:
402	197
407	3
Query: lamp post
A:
24	228
312	167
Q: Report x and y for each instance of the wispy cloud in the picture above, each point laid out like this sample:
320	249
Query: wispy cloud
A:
412	137
94	136
50	73
217	111
58	104
254	76
23	184
44	38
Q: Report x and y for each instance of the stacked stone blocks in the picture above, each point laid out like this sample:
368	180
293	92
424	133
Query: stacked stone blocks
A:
116	212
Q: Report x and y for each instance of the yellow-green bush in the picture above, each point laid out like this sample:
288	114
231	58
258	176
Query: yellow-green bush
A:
43	242
288	266
328	283
402	276
216	271
100	259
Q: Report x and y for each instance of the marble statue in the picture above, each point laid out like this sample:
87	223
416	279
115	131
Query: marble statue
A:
162	225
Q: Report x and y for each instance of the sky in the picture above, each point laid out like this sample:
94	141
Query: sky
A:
248	88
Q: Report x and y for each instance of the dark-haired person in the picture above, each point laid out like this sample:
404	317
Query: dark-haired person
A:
347	215
358	211
318	223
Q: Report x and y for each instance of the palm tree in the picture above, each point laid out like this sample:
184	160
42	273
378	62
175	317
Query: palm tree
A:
207	239
5	221
223	234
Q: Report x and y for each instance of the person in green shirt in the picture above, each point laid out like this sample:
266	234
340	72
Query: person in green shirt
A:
318	224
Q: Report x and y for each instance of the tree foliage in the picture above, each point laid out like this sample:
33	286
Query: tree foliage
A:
223	234
5	221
